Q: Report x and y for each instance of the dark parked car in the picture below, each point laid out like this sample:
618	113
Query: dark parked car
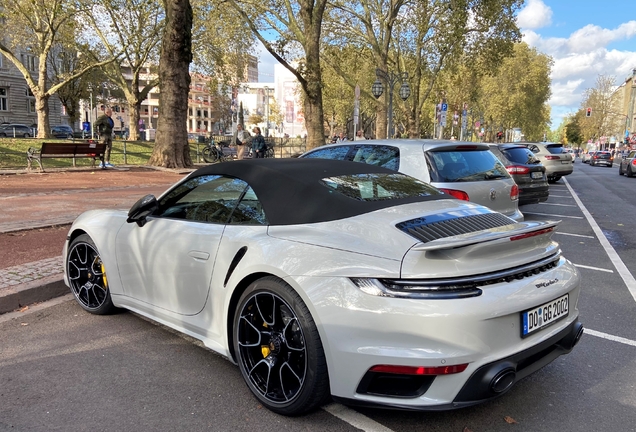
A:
526	170
62	131
15	131
602	158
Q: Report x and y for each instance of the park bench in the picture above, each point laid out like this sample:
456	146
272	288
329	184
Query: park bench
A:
87	149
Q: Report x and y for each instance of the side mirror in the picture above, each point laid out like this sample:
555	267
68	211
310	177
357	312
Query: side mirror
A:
141	209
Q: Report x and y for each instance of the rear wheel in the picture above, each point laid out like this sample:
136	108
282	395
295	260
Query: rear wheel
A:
278	348
87	277
620	169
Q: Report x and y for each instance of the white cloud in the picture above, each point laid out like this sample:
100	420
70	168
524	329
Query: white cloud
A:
580	59
535	15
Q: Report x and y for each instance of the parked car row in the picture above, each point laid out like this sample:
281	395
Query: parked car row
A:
14	130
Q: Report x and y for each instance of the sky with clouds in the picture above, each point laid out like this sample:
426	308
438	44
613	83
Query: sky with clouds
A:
585	38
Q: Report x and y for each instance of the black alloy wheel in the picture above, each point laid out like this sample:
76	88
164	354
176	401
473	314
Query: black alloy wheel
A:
278	348
87	276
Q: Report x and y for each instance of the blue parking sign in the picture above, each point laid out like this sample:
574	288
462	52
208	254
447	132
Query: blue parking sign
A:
444	107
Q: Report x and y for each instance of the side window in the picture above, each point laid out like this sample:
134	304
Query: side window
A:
534	149
249	210
210	198
335	153
384	156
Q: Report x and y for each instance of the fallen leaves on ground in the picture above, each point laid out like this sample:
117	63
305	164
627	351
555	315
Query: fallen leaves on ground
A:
510	420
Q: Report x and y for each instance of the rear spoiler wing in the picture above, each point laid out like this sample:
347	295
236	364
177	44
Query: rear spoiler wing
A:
515	231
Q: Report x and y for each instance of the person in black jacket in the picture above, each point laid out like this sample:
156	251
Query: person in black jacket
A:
258	143
104	126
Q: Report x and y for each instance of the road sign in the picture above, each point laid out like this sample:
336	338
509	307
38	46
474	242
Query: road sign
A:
444	107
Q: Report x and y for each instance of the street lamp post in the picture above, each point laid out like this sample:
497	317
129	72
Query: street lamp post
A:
390	78
90	89
266	111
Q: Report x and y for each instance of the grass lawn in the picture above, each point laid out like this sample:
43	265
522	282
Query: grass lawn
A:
13	153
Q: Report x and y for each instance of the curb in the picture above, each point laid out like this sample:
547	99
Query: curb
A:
41	290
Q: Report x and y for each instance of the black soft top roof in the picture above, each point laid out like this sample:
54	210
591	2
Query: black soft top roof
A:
291	193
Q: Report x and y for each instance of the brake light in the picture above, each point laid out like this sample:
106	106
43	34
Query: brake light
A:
456	193
466	147
634	162
552	157
419	370
516	169
514	193
532	234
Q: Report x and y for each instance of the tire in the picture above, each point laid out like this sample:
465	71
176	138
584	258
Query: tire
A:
620	169
26	135
87	277
210	155
278	348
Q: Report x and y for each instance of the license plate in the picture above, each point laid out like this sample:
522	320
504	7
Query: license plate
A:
565	162
544	315
537	175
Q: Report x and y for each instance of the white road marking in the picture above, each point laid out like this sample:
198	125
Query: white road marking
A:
560	205
554	215
574	235
355	419
560	196
622	269
610	337
594	268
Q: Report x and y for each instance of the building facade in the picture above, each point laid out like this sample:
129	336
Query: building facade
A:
17	103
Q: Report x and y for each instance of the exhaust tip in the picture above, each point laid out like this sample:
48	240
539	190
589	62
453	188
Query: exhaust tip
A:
503	381
579	333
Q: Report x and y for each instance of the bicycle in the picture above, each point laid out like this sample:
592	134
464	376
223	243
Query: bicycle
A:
213	152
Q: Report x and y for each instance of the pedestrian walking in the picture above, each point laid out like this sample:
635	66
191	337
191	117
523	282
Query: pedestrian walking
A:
342	137
104	126
240	140
359	136
258	143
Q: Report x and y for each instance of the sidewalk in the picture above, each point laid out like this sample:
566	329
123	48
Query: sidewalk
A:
34	200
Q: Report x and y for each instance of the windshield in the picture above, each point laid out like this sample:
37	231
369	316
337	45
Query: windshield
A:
465	166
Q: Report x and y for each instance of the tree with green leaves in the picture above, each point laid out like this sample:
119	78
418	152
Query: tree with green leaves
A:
291	30
36	29
573	132
604	120
134	28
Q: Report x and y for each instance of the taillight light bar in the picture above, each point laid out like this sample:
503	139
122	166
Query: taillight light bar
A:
532	234
420	370
514	193
552	157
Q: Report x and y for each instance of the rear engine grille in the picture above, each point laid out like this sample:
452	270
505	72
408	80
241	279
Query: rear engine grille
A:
429	228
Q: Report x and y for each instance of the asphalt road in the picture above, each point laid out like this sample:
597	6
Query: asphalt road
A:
64	369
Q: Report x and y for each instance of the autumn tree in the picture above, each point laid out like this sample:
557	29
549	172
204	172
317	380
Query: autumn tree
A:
35	29
291	30
171	148
517	95
133	27
604	120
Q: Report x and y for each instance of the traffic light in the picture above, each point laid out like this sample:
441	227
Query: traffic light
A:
588	112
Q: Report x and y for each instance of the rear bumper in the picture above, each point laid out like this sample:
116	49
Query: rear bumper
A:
533	195
497	378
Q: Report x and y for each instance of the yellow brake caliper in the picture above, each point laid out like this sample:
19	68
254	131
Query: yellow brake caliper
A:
104	275
265	348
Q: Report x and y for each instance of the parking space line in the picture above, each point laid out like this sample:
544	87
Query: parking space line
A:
622	269
593	268
554	215
610	337
555	204
574	235
560	196
354	418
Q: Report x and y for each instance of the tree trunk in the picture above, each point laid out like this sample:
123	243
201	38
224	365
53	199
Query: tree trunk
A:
42	108
171	145
134	105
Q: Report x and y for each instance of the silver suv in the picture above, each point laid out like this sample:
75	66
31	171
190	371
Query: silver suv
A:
465	170
554	157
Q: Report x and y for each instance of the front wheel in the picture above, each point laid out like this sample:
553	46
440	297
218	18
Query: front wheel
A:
210	155
87	277
278	348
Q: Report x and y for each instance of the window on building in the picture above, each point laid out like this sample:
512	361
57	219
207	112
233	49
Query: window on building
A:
190	112
198	113
4	103
30	101
1	56
30	62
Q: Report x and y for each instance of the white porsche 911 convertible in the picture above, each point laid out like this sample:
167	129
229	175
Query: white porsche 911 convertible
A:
324	278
